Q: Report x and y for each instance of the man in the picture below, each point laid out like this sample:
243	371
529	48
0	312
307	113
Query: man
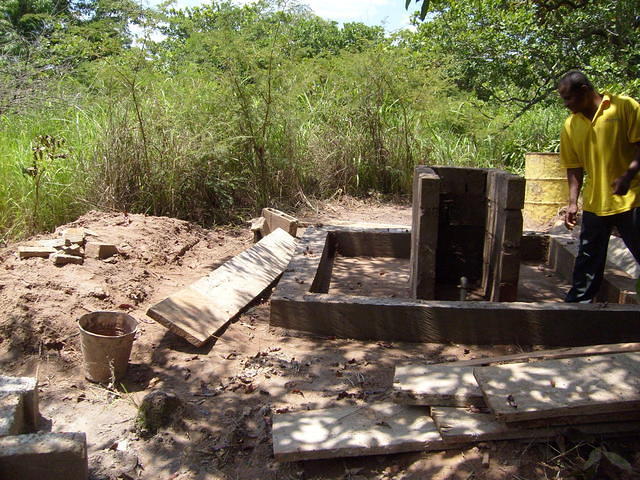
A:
601	138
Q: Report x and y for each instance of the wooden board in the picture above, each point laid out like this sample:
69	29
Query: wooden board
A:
374	429
438	384
460	425
201	309
558	388
551	354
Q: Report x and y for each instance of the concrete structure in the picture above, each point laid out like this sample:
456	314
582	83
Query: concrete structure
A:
27	388
39	456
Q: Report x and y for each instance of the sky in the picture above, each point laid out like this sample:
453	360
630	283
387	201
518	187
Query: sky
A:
390	13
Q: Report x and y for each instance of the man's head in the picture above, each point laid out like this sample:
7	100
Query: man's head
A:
577	92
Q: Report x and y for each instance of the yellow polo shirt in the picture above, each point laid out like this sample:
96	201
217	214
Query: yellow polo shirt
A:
604	147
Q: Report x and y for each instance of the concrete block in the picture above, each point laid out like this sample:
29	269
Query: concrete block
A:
63	259
99	250
26	387
73	235
39	456
257	227
73	249
11	414
276	219
29	252
52	242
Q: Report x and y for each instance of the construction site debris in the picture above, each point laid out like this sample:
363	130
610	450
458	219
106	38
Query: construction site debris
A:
27	389
36	456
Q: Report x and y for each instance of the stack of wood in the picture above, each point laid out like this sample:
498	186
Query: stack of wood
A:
539	395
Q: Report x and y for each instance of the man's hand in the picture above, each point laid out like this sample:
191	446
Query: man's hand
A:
571	216
621	185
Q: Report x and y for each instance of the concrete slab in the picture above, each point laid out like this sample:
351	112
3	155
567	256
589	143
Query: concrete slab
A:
38	456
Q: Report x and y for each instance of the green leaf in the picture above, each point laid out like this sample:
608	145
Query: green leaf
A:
424	9
618	461
406	4
594	459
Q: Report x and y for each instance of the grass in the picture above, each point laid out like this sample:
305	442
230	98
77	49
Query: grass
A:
214	146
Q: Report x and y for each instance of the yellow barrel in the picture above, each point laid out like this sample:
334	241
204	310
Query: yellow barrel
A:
547	190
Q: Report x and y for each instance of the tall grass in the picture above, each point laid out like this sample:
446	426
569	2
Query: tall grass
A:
214	144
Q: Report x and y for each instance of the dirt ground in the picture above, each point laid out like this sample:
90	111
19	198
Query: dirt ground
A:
231	387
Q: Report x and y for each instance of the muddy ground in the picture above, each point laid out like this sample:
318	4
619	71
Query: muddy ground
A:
231	387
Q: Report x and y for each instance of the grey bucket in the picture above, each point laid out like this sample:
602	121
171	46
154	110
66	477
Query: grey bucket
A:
106	339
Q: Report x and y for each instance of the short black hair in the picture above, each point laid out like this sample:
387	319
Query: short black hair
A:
575	79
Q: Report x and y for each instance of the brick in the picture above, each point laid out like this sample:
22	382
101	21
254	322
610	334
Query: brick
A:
38	456
100	250
29	252
26	387
63	259
11	414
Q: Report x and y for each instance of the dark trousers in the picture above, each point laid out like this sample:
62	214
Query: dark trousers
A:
592	253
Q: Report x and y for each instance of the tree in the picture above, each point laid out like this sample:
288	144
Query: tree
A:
513	51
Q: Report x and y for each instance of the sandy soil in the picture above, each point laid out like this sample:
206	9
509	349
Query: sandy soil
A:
229	388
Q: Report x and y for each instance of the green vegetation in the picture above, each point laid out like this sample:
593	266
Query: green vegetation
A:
233	108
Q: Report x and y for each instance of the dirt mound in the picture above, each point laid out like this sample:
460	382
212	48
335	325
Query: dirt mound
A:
41	302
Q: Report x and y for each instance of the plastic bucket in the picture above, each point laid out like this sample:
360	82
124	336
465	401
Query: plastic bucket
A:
106	339
547	190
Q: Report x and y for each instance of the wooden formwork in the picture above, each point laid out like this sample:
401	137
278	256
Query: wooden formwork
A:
301	302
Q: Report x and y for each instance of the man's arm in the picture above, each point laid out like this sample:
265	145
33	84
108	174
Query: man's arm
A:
621	184
574	178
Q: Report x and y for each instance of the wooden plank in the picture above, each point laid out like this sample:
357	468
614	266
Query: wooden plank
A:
437	384
275	219
556	353
558	388
200	310
424	233
374	429
461	425
479	323
631	416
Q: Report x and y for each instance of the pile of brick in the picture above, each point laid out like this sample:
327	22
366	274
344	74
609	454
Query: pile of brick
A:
29	454
71	247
